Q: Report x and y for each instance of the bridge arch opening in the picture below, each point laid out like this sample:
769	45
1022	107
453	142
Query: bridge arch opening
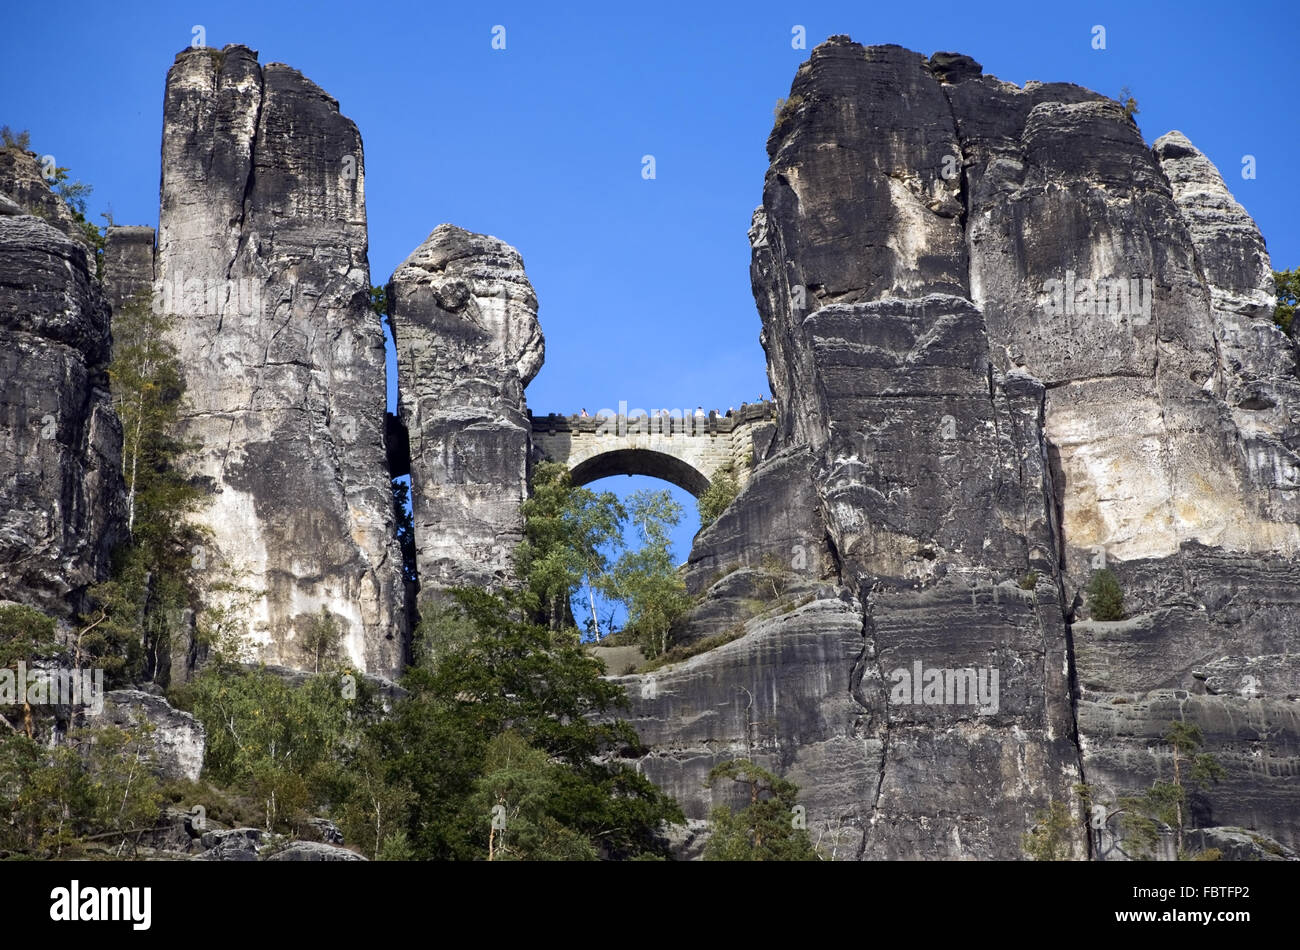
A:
638	461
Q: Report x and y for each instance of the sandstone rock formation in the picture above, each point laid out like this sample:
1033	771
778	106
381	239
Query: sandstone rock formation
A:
23	180
464	320
62	504
262	257
1010	344
178	738
128	264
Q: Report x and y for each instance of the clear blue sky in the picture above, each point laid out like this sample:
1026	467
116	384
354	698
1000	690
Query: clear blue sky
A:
644	285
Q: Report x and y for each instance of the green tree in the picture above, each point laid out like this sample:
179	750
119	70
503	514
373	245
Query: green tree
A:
132	615
784	111
721	492
148	385
25	634
75	195
769	829
19	140
1287	285
120	762
375	806
405	530
1129	103
379	304
99	783
1105	597
442	631
322	641
1166	802
520	676
1051	837
273	738
567	530
45	797
646	580
514	794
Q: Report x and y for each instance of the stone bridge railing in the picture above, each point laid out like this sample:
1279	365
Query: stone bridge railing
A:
682	447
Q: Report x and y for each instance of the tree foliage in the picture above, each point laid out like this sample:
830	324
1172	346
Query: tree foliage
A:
135	614
514	790
567	530
278	741
405	530
1129	103
769	829
11	139
721	492
98	783
518	676
1167	803
322	641
646	580
1051	837
1105	597
1287	285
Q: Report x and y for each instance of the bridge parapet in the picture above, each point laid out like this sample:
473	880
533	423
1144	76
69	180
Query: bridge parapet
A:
681	447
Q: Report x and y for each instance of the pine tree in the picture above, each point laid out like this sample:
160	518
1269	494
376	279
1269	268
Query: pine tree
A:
1105	597
769	829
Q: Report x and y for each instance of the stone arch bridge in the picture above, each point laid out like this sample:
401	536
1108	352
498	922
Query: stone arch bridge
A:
682	448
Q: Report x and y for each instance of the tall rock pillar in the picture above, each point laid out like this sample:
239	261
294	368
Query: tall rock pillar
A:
262	257
468	342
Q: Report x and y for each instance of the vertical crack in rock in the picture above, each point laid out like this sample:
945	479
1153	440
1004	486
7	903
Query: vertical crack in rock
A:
248	182
942	65
949	431
869	652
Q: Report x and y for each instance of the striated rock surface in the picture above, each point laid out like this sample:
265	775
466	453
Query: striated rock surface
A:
62	507
23	181
1009	344
128	264
464	319
262	257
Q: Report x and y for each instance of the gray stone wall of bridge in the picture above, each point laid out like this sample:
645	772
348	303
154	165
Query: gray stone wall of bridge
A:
613	445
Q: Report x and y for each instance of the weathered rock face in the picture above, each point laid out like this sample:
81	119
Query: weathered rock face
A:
22	179
465	323
262	255
178	738
128	264
62	507
1008	343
